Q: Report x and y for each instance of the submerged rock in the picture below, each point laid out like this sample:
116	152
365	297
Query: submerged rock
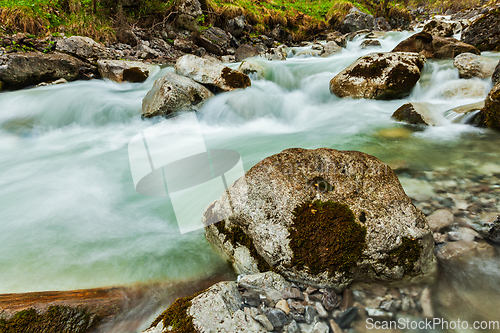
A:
212	74
173	93
417	113
379	76
434	46
124	71
322	217
20	70
84	48
484	33
472	65
489	116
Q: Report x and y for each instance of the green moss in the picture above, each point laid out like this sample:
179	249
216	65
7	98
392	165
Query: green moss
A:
236	236
56	319
177	317
235	79
325	236
405	255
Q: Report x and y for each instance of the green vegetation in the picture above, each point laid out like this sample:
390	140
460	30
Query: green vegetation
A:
177	316
325	236
405	255
55	320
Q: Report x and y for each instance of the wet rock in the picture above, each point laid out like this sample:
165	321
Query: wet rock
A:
146	52
494	233
309	314
321	327
51	83
390	306
173	93
264	321
381	24
189	13
442	28
330	300
297	306
484	33
124	71
345	319
214	75
440	219
357	20
275	53
292	293
265	214
463	250
293	327
329	48
471	65
84	48
127	36
463	89
417	113
379	314
434	46
252	68
334	326
320	310
20	70
246	51
496	74
489	116
277	317
215	40
379	76
370	43
264	281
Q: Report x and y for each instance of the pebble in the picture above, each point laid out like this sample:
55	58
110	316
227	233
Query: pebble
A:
309	314
283	306
277	318
321	310
440	219
347	299
293	327
426	303
379	314
321	327
297	306
293	293
330	300
264	321
390	306
334	326
347	317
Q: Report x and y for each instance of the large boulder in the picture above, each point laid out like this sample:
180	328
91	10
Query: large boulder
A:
173	93
216	309
189	15
417	113
496	74
124	71
472	65
489	116
357	20
321	217
214	40
19	70
238	25
246	51
442	28
214	75
84	48
434	46
484	33
379	76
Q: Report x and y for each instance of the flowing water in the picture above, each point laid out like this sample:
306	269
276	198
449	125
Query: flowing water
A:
69	214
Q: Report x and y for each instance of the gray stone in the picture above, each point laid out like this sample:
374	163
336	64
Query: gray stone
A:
210	73
252	68
329	48
297	306
275	53
246	51
379	314
293	293
440	219
357	20
321	327
379	76
264	321
124	71
277	317
370	43
389	306
472	65
463	250
321	310
264	213
173	93
214	40
189	13
84	48
237	26
345	319
293	327
484	33
309	314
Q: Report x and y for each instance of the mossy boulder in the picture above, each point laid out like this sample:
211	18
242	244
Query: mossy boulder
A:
215	76
484	33
489	116
434	46
216	309
496	74
322	217
379	76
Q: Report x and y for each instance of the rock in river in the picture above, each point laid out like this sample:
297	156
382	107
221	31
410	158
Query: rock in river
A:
322	217
472	65
484	33
489	116
124	71
212	74
379	76
173	93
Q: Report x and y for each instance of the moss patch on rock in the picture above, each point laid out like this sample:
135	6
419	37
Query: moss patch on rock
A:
406	255
237	237
235	79
325	236
176	316
56	319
